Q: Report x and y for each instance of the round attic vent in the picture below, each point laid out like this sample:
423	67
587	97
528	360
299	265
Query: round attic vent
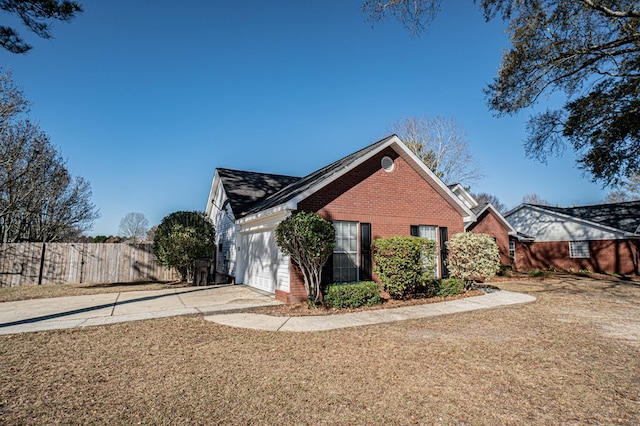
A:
387	163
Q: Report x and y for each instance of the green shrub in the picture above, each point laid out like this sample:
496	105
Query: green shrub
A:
505	271
353	295
428	288
404	264
449	287
473	257
181	238
537	273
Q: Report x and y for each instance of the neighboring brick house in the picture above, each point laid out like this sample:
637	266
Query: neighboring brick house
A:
599	238
488	221
380	191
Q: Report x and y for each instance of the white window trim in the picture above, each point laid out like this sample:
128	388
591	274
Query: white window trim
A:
422	230
579	250
356	253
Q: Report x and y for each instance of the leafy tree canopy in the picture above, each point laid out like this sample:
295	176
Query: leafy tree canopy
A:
587	49
35	15
181	238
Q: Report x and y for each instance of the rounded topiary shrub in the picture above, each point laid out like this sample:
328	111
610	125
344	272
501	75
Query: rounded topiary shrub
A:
473	257
404	264
181	238
353	295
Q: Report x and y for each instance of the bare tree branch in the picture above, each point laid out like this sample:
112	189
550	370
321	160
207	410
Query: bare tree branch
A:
442	145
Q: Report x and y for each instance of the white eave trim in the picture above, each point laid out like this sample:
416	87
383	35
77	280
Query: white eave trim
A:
339	173
212	192
292	204
511	229
470	216
460	192
274	213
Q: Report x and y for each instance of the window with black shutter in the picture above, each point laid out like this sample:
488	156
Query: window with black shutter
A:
365	252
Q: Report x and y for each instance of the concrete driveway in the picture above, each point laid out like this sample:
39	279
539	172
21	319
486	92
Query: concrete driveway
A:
216	304
109	308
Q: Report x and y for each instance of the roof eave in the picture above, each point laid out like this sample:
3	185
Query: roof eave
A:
339	173
212	192
465	211
391	141
576	219
262	215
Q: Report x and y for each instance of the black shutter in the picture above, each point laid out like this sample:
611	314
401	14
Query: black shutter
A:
365	252
414	231
444	252
327	272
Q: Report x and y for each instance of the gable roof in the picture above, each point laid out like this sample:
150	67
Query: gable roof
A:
311	180
465	196
245	189
296	191
479	211
623	217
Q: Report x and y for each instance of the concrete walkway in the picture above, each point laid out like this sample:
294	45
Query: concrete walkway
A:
219	304
109	308
354	319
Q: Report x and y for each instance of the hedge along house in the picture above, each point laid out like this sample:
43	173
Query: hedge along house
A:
488	221
380	191
600	238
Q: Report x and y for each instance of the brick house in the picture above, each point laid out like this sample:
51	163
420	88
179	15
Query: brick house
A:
380	191
488	220
599	238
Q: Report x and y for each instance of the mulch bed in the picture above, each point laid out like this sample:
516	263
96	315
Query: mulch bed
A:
304	309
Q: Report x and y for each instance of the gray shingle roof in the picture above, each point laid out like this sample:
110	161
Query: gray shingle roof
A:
299	186
245	189
479	208
623	216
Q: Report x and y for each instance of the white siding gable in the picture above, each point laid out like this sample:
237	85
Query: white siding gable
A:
226	230
546	226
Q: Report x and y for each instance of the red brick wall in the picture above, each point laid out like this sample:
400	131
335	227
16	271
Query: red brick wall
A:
489	224
390	201
613	256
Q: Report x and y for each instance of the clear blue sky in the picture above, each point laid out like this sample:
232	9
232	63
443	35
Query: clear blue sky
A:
146	98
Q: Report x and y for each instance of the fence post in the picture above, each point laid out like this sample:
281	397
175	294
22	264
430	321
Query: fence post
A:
41	264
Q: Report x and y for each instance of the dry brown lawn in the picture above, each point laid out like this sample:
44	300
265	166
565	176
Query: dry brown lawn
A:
571	357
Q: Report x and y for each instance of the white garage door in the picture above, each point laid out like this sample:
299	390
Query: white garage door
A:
265	268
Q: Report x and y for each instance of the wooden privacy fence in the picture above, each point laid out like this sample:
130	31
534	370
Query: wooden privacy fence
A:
59	263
